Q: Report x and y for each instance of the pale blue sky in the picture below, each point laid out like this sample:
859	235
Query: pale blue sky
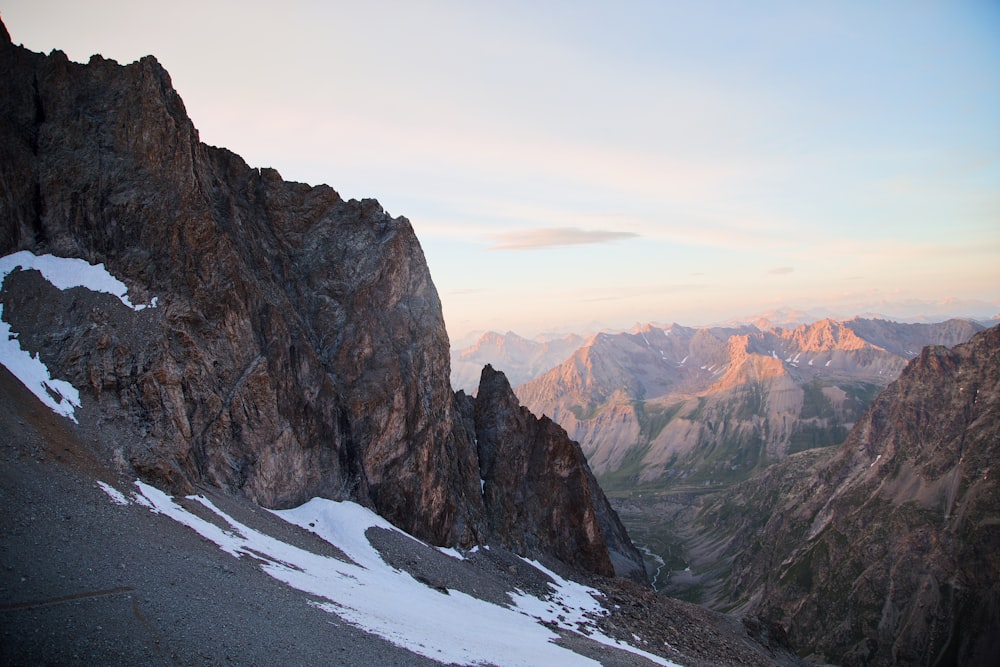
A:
571	163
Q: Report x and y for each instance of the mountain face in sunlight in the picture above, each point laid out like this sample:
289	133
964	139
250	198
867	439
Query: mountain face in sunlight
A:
679	407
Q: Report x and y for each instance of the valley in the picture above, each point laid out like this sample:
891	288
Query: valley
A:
867	520
669	416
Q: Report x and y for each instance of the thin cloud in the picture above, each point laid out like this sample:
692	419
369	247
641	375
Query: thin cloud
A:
781	270
556	237
616	297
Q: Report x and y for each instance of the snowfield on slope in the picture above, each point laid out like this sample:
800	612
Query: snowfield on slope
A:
64	273
368	593
453	628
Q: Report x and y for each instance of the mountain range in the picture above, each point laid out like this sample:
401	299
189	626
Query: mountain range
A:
831	481
682	407
816	478
521	359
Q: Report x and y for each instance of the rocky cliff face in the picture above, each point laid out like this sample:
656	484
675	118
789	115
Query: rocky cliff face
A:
297	347
885	550
534	488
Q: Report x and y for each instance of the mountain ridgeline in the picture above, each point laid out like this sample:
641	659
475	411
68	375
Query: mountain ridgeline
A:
296	347
884	550
686	408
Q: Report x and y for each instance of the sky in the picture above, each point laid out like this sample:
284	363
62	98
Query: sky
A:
569	166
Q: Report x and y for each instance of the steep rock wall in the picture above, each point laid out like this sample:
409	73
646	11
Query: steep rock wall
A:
537	488
297	347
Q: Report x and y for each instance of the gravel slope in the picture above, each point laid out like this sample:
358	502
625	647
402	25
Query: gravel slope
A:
86	581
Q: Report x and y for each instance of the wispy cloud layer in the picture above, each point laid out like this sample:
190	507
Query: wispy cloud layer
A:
556	237
781	270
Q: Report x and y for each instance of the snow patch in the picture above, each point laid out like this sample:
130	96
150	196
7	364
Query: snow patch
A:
58	395
64	273
117	496
369	594
572	606
451	551
67	272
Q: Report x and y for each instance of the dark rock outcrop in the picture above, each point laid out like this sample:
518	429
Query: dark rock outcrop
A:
537	488
297	348
887	550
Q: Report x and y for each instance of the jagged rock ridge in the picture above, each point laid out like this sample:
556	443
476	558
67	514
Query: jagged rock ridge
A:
520	456
298	347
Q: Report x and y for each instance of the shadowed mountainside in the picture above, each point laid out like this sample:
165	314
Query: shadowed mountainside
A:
296	347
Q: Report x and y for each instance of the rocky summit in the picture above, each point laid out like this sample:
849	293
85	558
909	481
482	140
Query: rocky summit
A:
293	345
